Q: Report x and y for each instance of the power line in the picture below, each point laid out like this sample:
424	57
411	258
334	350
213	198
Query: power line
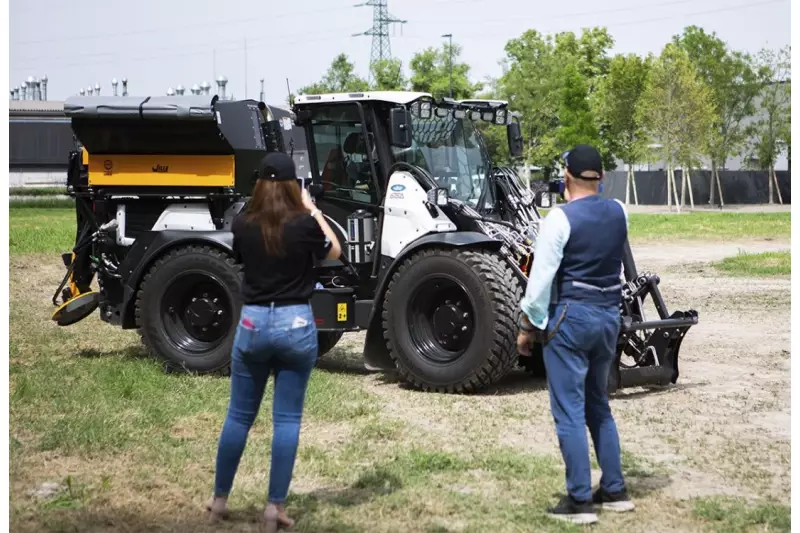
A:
483	35
173	29
63	66
208	46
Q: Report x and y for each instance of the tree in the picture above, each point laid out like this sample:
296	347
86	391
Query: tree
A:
619	94
774	123
430	73
732	80
675	110
576	121
339	78
388	75
536	69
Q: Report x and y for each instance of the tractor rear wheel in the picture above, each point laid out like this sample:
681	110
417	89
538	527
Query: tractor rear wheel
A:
449	319
188	307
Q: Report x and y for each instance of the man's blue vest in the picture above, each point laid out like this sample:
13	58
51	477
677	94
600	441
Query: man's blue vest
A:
592	263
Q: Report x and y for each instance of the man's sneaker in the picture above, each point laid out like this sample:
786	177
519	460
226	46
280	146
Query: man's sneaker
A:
618	501
573	511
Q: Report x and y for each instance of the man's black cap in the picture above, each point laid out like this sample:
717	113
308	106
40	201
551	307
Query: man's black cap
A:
584	158
277	166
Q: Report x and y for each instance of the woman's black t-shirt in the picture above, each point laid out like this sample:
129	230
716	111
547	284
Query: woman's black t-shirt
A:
268	278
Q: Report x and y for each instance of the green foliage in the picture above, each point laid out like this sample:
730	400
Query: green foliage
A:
732	80
733	515
544	78
340	77
388	75
430	72
675	109
576	121
774	124
618	96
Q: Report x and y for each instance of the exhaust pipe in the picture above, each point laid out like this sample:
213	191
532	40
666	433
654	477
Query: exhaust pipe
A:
205	87
124	86
44	87
222	81
261	96
114	86
180	90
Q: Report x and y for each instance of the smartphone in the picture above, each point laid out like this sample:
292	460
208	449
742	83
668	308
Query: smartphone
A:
302	183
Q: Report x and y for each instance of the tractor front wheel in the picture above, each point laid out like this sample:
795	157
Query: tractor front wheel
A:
188	306
449	319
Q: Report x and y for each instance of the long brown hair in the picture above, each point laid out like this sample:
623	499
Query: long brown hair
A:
273	203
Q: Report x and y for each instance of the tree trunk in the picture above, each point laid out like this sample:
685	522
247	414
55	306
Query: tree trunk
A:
633	182
684	172
669	187
777	187
675	191
769	174
711	182
628	187
719	188
689	182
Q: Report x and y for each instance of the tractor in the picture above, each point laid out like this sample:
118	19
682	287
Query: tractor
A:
437	240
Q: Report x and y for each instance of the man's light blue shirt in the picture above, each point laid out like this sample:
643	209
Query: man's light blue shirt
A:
548	251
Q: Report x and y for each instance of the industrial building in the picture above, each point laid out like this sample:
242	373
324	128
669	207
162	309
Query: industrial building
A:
40	137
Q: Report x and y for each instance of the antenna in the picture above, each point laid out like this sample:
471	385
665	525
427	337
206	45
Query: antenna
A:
289	91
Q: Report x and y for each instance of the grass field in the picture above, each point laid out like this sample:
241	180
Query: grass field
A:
131	448
763	264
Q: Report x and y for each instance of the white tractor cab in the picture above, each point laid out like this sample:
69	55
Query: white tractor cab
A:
437	240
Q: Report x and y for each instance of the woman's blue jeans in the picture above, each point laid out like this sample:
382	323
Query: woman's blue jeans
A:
281	340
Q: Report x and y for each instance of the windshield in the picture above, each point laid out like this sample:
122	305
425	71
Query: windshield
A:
451	151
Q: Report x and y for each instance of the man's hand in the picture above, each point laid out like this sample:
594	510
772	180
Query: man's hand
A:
524	341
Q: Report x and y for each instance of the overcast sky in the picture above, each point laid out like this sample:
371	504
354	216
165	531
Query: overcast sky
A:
159	44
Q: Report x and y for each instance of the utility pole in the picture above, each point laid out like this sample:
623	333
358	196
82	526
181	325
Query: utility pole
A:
381	19
450	49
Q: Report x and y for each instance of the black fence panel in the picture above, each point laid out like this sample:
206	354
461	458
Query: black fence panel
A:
738	186
39	144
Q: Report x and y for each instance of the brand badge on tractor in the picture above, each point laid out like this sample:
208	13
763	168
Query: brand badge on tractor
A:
398	187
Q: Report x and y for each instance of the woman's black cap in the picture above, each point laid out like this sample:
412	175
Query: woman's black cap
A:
277	166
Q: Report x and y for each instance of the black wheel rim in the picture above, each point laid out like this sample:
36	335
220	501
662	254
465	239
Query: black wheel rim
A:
441	319
197	312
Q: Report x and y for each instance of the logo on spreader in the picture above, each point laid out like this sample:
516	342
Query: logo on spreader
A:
107	166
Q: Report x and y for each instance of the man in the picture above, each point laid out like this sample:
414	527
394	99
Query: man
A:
571	305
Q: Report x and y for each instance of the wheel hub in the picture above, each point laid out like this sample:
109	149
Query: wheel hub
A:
449	322
441	319
203	312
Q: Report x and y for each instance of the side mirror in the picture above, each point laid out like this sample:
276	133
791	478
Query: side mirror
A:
315	190
400	127
514	139
542	199
438	196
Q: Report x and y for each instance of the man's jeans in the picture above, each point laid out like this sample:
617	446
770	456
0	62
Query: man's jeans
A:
281	340
577	359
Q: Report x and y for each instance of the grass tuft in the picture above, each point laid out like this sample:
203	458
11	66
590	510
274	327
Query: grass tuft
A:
757	264
731	515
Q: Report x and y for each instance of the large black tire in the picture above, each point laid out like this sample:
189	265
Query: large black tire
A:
327	340
461	347
189	289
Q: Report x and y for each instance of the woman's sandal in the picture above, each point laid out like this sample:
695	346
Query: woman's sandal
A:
218	508
274	520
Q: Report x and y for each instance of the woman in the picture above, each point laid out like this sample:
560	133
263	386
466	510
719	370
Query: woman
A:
276	240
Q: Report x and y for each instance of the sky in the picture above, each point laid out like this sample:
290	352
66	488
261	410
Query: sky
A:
158	44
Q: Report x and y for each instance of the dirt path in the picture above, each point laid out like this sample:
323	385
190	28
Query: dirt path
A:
723	429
